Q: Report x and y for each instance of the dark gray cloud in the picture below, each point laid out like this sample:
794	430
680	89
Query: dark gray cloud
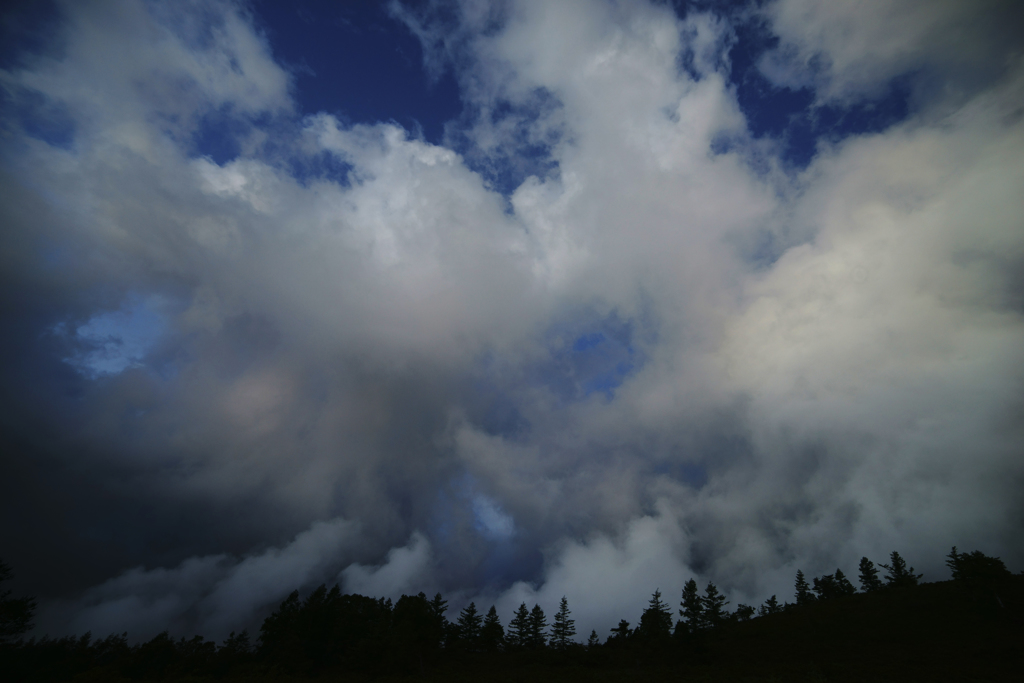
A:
222	382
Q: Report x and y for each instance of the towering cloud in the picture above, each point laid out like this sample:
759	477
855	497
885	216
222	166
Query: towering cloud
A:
600	339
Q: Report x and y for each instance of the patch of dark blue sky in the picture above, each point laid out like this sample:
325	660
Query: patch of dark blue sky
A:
26	30
595	359
789	115
583	358
39	117
461	516
528	147
355	61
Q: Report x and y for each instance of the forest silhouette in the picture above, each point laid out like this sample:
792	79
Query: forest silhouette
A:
892	628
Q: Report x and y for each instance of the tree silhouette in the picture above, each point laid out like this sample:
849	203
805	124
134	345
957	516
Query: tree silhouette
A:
976	567
843	584
233	652
563	628
535	636
519	627
278	637
770	606
869	580
743	612
415	627
656	620
469	624
714	606
804	596
897	574
621	632
327	629
327	634
15	613
692	610
833	586
492	635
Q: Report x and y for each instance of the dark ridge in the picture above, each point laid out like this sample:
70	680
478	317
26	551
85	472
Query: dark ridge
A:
967	629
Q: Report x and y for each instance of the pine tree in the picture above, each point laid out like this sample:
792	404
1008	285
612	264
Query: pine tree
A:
564	628
15	613
622	631
976	567
714	606
519	627
656	620
770	606
843	585
536	638
803	591
692	610
825	587
593	641
469	623
438	606
897	574
869	580
492	635
955	563
743	612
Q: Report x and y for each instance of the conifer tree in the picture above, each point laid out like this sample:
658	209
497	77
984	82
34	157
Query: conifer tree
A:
843	585
743	612
469	624
976	567
869	580
656	620
519	627
563	628
536	638
954	562
622	631
692	610
438	606
492	635
833	586
897	574
770	606
714	606
593	641
804	596
15	613
824	587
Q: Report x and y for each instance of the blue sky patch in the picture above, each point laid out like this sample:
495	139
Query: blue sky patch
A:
110	343
491	520
39	117
789	115
588	361
355	61
219	136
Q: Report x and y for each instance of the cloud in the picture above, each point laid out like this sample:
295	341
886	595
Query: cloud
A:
846	53
606	579
210	595
405	569
548	357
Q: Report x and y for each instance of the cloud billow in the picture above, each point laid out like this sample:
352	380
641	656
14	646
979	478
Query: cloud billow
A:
342	353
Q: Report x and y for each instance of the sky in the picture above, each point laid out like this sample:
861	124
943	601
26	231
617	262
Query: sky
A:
506	300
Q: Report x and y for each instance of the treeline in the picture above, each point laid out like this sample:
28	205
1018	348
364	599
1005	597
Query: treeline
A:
329	631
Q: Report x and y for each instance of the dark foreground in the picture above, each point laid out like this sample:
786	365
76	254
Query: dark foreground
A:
933	632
